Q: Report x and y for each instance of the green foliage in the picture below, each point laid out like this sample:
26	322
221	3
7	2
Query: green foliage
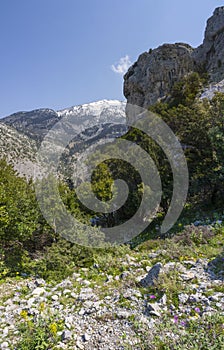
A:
18	211
185	91
198	124
26	238
205	333
28	244
38	334
60	260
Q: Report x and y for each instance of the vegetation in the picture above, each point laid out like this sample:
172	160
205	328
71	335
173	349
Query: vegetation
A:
28	244
31	247
40	334
172	332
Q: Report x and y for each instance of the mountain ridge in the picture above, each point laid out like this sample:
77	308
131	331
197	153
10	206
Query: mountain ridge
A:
88	124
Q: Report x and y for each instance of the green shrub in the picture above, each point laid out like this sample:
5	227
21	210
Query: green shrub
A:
38	334
60	260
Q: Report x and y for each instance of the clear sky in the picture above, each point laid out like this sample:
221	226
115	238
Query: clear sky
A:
59	53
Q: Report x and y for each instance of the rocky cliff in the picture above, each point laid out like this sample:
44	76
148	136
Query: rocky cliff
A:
151	78
211	52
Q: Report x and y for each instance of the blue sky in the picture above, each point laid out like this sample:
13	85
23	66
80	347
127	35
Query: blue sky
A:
59	53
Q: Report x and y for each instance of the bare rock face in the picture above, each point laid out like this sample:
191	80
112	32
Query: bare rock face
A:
152	77
211	52
154	74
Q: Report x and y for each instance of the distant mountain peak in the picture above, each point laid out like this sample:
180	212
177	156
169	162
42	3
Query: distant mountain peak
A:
89	123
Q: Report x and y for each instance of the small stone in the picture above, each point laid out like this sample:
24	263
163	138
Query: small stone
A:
183	298
66	291
87	283
66	335
74	295
61	346
124	275
40	282
188	276
163	300
148	268
216	296
38	291
30	302
69	321
123	314
154	309
82	312
109	278
86	337
219	306
194	298
55	297
79	345
153	255
5	331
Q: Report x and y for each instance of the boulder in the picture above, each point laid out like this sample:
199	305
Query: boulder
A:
152	275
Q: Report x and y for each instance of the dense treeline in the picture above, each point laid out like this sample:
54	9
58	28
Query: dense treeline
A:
28	244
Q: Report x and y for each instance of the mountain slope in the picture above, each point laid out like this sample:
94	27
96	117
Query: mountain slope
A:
88	124
18	149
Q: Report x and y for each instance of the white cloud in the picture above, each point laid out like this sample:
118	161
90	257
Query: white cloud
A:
122	66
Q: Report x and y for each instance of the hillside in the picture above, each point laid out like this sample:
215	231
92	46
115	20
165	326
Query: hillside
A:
19	150
73	276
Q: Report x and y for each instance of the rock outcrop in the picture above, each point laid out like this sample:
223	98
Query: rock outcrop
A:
152	77
211	52
155	72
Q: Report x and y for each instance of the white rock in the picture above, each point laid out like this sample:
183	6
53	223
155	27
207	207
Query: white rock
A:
86	337
55	297
38	291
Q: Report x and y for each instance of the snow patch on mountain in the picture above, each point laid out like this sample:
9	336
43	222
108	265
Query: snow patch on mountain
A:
104	111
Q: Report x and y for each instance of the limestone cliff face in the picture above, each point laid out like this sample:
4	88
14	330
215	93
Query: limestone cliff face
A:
211	52
155	72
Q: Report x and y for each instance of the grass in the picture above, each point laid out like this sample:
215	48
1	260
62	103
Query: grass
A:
201	334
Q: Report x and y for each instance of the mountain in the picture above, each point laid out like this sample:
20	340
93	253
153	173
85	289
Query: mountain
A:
152	77
18	149
36	124
88	124
148	80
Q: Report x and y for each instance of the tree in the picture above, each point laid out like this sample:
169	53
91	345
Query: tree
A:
18	210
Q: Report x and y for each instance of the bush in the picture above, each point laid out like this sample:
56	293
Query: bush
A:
60	260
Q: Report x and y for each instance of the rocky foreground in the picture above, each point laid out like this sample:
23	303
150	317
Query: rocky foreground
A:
123	308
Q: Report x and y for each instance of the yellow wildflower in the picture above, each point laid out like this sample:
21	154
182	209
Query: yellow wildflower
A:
53	328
